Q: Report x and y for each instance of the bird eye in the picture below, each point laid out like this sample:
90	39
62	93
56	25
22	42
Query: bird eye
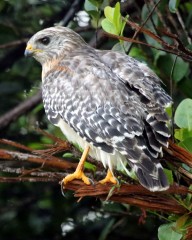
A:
44	40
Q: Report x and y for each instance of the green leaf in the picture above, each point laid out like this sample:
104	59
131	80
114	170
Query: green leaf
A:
173	5
166	232
68	155
181	221
92	5
90	166
121	46
92	10
108	26
117	18
180	70
95	15
182	133
183	114
187	144
137	53
96	2
115	24
169	175
123	23
89	6
188	200
169	110
166	61
109	13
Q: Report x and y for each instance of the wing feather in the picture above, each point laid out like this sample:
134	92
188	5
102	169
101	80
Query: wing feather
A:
110	110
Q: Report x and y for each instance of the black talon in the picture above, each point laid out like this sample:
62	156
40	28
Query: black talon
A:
62	188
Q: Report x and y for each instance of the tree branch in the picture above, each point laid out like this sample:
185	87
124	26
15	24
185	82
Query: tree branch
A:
51	168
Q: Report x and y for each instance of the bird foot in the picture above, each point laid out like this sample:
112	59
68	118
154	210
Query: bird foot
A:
76	175
109	178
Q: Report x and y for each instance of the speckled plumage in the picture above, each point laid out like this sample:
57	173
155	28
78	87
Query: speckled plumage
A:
107	100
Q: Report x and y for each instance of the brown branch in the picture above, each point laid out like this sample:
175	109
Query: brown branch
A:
25	179
177	49
129	192
169	48
133	194
180	153
143	24
46	161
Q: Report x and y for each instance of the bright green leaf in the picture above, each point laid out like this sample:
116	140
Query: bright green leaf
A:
109	13
123	24
169	175
166	232
117	18
169	110
183	114
182	133
68	155
90	166
187	144
173	5
108	26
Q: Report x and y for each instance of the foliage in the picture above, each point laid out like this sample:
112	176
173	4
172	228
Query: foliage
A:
31	210
183	119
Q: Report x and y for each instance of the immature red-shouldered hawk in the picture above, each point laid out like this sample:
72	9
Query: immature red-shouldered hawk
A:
107	102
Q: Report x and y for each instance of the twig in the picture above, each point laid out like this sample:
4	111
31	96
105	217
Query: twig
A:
13	44
22	108
74	8
143	24
183	26
171	94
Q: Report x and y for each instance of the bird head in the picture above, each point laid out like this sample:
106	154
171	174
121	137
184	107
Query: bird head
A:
51	42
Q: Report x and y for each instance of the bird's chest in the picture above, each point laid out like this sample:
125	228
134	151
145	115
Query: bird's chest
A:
71	135
107	159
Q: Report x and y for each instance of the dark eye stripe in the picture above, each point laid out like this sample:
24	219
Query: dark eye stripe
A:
44	40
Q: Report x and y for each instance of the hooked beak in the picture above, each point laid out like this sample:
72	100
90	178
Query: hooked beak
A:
29	51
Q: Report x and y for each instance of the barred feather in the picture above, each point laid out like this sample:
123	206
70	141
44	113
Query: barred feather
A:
107	100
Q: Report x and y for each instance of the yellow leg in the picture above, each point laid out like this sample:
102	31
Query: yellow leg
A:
79	174
109	178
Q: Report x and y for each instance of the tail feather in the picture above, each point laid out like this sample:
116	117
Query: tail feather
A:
154	181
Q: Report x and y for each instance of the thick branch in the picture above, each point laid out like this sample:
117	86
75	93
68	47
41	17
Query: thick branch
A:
129	192
133	194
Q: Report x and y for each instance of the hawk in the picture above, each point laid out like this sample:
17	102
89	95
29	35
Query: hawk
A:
110	104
